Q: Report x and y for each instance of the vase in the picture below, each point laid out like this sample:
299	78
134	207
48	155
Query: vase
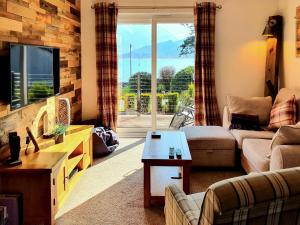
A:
59	138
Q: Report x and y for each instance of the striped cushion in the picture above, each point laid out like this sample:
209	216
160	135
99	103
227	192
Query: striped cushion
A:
283	114
261	198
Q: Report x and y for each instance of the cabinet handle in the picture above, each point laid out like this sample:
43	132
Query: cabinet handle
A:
54	201
53	182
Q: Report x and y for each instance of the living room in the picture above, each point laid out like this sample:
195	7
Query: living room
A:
149	112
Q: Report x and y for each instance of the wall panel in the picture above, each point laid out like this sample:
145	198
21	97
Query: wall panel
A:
49	23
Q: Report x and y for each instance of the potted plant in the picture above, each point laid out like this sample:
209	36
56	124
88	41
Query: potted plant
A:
59	133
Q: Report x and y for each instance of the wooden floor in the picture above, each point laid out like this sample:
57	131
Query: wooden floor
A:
143	121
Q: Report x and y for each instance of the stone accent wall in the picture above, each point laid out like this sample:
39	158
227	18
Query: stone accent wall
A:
49	23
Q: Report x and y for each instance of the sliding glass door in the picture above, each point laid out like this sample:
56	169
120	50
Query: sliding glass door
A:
156	72
134	69
174	70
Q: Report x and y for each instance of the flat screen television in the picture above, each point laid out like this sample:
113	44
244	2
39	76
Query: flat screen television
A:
32	74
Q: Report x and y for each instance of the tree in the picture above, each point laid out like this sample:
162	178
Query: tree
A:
188	45
166	74
145	82
182	79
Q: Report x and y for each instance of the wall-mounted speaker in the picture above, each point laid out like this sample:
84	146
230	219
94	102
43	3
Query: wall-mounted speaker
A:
64	111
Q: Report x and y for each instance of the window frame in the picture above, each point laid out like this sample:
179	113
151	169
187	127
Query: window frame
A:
155	18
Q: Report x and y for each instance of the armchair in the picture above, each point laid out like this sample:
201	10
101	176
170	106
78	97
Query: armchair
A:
257	198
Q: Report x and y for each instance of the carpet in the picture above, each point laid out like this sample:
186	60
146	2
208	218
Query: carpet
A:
111	191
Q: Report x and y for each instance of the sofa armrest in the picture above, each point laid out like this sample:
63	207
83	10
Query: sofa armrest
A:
226	117
179	208
285	156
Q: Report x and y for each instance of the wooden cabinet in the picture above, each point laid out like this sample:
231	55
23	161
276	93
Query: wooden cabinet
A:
46	178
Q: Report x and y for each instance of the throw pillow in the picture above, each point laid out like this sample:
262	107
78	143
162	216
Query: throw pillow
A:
283	113
260	106
287	135
244	122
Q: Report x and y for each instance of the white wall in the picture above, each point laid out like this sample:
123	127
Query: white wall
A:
88	61
240	48
290	75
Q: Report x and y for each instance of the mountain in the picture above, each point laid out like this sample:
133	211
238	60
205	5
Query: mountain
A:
167	49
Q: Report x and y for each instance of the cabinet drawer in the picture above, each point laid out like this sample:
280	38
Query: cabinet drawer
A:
213	158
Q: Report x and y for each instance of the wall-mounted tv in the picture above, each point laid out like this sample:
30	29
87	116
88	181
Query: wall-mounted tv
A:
32	74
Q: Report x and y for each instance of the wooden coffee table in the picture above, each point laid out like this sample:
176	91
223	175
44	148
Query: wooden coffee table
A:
156	159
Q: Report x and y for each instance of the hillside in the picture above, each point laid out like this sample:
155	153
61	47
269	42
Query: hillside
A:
167	49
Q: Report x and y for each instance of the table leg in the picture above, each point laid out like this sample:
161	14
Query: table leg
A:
147	194
186	179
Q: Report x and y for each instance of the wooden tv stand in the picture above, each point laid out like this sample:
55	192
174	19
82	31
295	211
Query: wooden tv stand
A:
46	178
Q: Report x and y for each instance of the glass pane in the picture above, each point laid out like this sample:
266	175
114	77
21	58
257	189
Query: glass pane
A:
175	73
134	68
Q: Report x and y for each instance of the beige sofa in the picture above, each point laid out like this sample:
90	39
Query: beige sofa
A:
256	154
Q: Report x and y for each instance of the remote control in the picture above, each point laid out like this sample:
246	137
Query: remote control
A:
171	153
178	153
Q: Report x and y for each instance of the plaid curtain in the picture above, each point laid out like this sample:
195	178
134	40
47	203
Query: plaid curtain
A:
107	69
206	105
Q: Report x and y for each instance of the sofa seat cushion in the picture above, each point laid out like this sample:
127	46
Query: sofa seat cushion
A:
209	137
257	152
197	198
241	135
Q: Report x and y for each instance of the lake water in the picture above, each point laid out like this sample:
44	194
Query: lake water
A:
144	65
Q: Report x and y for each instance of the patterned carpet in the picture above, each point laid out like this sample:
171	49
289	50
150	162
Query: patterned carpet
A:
111	192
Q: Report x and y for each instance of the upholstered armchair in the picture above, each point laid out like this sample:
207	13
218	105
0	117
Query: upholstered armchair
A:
257	198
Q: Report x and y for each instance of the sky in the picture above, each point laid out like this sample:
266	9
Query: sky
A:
139	35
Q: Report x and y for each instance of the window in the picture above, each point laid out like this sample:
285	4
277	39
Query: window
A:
156	71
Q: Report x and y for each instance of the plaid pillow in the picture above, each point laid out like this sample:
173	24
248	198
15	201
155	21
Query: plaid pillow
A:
283	113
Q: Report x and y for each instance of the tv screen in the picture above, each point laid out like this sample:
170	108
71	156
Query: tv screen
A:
34	74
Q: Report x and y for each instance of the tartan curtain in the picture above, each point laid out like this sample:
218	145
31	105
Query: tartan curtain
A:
107	70
206	105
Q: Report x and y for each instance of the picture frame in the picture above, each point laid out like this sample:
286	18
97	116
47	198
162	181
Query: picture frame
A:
297	46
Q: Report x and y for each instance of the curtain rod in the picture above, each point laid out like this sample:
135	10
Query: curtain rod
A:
157	7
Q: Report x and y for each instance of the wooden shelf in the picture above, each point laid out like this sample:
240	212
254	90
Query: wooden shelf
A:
73	162
161	177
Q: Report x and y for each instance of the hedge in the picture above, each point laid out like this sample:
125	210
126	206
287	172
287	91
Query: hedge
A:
159	102
145	102
130	101
170	99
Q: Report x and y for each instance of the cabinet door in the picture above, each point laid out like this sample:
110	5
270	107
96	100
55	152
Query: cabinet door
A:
62	182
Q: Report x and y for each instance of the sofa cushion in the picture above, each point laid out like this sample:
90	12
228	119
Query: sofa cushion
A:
285	156
258	152
208	137
241	135
197	199
287	135
283	113
284	94
260	106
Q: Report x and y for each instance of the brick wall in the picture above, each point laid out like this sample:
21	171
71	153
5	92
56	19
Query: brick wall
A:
50	23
